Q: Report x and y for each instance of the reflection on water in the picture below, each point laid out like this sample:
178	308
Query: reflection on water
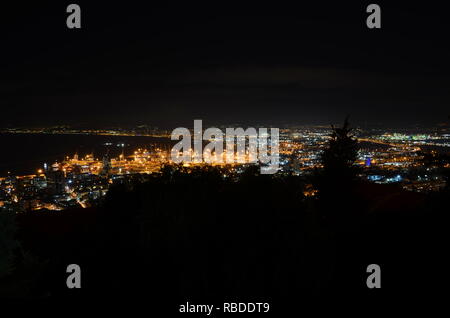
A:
25	153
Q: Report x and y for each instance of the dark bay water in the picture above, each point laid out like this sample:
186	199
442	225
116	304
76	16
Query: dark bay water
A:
25	153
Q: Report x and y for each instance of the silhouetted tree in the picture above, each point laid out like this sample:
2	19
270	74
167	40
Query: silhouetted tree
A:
338	159
19	269
8	243
336	178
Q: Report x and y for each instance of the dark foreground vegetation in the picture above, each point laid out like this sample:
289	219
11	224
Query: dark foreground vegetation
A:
195	235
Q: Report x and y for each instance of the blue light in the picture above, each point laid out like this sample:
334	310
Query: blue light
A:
375	178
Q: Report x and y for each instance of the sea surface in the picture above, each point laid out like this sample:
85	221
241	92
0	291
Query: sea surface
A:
23	154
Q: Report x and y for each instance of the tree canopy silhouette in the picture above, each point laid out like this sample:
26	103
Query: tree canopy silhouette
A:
338	159
336	179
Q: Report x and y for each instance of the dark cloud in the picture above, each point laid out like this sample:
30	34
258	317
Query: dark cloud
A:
164	64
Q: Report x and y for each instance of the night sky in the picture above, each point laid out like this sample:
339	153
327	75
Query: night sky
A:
223	63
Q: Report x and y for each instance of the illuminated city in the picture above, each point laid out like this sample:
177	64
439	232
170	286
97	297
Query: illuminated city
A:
82	180
218	158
